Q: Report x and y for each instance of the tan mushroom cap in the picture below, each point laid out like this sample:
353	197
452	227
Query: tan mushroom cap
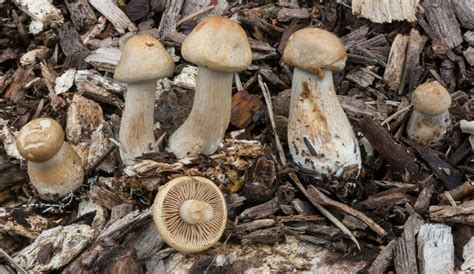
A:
143	59
190	237
312	49
40	139
431	98
219	44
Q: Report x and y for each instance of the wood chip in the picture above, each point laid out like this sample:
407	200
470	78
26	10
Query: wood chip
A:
394	70
385	11
463	213
435	249
442	19
244	105
114	14
405	248
105	59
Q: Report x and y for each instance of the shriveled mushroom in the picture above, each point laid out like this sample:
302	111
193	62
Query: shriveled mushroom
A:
219	47
144	60
429	120
190	214
54	168
320	137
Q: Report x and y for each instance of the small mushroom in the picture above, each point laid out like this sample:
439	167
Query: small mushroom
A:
320	137
144	60
429	120
190	214
219	47
54	168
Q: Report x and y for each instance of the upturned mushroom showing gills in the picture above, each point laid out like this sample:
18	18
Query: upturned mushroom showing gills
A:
54	168
320	138
429	120
190	214
144	60
219	47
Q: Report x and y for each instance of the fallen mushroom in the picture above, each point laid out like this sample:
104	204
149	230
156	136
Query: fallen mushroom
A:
190	214
219	47
429	120
320	137
54	168
144	60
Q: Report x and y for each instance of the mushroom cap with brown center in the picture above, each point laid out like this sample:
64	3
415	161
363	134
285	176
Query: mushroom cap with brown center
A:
431	98
143	59
40	139
176	232
218	43
312	49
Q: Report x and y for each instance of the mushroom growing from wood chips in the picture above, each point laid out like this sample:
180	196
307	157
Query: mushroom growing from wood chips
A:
320	137
429	120
54	168
144	60
190	214
219	47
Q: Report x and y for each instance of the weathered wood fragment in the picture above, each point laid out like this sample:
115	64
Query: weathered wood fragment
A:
441	18
105	59
82	14
465	12
459	192
42	13
463	213
15	91
394	70
383	260
72	46
468	255
114	14
244	105
405	248
18	221
259	181
287	15
105	197
83	118
145	240
435	249
385	11
469	37
170	17
469	55
411	69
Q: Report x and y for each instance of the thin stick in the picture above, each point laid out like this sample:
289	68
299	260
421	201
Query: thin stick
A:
268	101
324	211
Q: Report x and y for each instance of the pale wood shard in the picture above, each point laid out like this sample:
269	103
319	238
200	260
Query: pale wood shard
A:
385	11
412	69
468	255
170	16
114	14
441	18
405	249
91	77
463	213
61	243
40	10
435	249
394	70
84	116
105	59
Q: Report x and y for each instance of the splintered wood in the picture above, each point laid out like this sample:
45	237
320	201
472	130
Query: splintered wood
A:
435	249
385	11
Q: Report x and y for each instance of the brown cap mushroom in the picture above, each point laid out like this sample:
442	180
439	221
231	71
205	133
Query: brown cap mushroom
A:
220	47
429	120
190	214
320	137
144	60
54	168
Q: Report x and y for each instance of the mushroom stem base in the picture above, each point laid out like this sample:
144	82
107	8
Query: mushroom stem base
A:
429	130
204	129
320	137
136	129
195	212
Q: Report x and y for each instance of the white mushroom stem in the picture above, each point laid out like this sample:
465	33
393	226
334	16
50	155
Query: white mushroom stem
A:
320	137
426	129
204	129
195	212
136	129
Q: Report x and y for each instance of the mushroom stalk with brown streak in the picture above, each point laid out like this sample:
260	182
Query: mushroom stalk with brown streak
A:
144	60
320	137
219	47
54	168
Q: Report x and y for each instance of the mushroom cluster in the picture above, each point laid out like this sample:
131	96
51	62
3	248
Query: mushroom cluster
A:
429	120
320	137
219	47
54	168
190	214
144	60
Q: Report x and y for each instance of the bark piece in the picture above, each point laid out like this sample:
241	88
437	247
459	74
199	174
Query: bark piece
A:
441	18
469	37
465	12
411	67
459	192
287	15
244	105
170	17
405	248
259	181
105	198
11	175
82	14
72	46
383	260
435	249
54	248
84	117
394	70
361	77
469	55
16	92
385	11
105	59
463	213
95	79
18	221
114	14
145	240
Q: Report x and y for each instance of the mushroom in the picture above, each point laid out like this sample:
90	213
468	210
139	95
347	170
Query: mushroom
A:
320	137
190	214
219	47
54	168
143	61
429	120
